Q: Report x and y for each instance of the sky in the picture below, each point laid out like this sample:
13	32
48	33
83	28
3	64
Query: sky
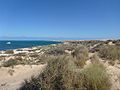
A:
60	18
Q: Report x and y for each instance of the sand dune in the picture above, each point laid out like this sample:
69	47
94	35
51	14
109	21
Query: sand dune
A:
11	79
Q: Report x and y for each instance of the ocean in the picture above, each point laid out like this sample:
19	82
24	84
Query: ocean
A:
6	45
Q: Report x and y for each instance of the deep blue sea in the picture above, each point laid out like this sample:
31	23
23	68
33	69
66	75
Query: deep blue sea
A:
6	45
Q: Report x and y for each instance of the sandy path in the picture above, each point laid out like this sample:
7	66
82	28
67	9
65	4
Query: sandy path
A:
13	82
114	73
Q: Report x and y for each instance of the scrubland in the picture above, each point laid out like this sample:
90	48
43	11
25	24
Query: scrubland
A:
72	65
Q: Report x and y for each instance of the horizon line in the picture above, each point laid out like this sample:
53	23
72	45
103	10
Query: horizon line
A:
55	38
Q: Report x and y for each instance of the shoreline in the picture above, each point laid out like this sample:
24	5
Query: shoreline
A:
59	41
16	44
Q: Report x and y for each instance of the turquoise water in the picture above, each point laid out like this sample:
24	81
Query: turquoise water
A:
6	45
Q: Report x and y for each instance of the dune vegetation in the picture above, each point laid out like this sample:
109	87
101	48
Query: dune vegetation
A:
68	72
110	52
73	65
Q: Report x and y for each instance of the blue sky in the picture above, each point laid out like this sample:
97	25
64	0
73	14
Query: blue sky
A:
60	18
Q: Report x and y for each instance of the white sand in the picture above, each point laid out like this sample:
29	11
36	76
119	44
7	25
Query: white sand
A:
114	74
13	82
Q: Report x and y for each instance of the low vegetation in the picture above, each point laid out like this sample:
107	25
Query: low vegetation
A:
10	62
96	78
60	49
80	50
81	55
110	52
66	71
21	54
62	73
16	61
9	52
34	55
51	78
95	59
56	51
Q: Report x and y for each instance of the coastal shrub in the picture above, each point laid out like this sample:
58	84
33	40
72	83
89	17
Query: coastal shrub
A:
96	78
53	74
61	73
60	49
116	42
18	58
10	62
88	43
81	61
81	55
80	50
43	59
56	51
32	84
110	52
58	75
69	47
21	54
34	55
16	61
9	52
95	59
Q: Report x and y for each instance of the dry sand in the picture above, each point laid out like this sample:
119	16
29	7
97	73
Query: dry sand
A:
114	74
20	73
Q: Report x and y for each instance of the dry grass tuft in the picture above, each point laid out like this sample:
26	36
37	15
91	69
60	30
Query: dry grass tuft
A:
95	59
110	52
96	78
81	55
